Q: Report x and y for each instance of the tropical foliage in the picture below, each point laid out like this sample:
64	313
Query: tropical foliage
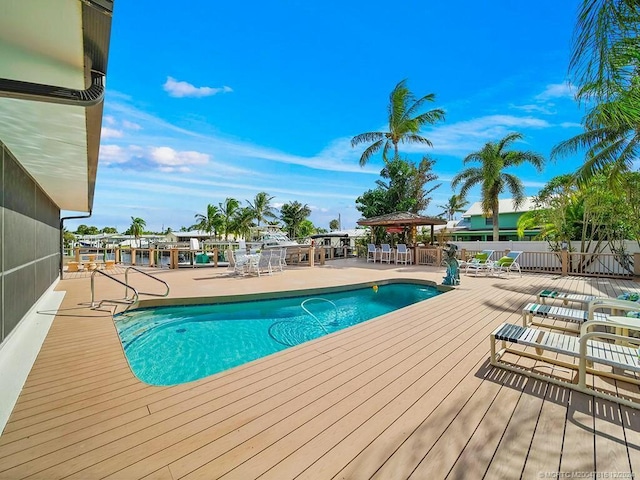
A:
455	204
606	67
137	227
261	207
587	212
494	159
334	224
210	222
405	123
292	215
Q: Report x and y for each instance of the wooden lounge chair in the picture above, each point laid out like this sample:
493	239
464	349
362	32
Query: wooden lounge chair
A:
591	349
573	315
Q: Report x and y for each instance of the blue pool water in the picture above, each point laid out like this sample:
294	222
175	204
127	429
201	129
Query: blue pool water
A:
178	344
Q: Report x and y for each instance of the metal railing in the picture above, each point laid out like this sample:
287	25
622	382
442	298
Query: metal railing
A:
126	281
124	301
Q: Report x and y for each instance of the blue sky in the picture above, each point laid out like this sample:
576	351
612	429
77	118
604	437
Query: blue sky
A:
215	99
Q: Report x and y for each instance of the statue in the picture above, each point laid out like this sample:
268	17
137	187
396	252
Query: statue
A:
453	272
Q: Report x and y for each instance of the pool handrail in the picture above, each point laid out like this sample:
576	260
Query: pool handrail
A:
314	317
125	301
126	281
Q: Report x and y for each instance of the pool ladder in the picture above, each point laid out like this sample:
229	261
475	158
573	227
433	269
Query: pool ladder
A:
314	317
128	301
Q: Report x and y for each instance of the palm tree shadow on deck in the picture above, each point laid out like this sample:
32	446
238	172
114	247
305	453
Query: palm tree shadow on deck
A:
575	402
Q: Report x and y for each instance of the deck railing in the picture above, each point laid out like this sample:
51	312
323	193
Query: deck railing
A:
561	263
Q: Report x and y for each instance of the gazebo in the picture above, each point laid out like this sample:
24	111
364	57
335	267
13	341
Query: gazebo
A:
402	220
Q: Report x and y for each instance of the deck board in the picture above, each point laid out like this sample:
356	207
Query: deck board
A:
407	395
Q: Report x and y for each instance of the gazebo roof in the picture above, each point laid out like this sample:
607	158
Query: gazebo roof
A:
400	219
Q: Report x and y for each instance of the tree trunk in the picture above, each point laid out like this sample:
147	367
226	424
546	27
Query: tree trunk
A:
496	225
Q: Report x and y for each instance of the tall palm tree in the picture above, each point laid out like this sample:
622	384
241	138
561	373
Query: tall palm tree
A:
455	204
495	158
404	124
228	209
606	66
292	214
261	207
210	221
137	227
242	221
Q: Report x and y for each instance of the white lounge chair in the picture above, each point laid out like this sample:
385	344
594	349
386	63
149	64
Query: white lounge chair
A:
372	252
403	254
591	348
507	264
385	252
573	315
479	263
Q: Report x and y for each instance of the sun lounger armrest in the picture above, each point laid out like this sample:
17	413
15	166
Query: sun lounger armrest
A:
586	327
612	303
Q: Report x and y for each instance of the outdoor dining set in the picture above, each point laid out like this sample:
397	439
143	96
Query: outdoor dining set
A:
265	261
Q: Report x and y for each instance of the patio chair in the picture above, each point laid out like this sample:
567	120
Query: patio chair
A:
479	263
403	254
506	264
385	251
240	261
372	252
591	348
572	315
261	262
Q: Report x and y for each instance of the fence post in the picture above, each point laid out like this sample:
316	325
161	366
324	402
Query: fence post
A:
173	258
312	256
133	256
564	258
636	264
215	256
77	253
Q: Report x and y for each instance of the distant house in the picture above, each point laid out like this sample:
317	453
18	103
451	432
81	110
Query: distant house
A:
474	225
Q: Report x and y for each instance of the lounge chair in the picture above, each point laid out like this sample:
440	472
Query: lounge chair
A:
479	263
566	297
506	264
403	254
385	252
372	252
591	348
573	315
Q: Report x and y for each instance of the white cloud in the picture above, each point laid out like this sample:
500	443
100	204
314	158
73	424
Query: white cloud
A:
544	109
570	125
113	154
468	136
109	120
556	90
179	89
169	159
131	125
107	132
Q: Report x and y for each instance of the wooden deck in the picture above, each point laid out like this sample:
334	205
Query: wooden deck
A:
407	395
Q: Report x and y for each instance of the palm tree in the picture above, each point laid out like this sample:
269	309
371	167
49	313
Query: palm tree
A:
209	222
404	124
242	221
261	207
292	215
137	227
494	158
455	204
228	209
605	63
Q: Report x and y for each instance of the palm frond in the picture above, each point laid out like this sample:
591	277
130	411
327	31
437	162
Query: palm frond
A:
366	138
369	151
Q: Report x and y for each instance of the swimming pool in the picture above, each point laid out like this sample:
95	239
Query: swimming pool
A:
177	344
